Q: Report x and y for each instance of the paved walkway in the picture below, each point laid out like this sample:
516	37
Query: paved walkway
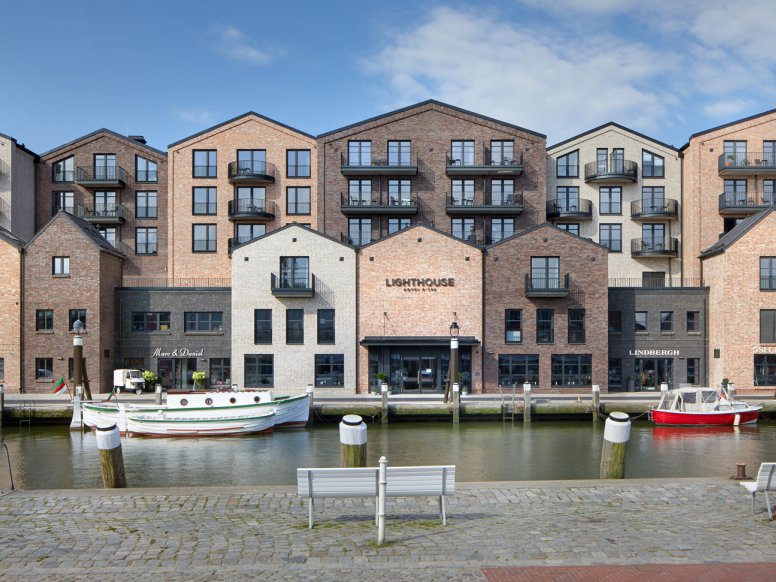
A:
258	533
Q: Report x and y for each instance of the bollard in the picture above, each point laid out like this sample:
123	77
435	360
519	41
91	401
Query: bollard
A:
527	402
384	394
76	423
456	402
740	472
158	394
381	486
111	458
352	441
2	404
309	393
596	403
616	435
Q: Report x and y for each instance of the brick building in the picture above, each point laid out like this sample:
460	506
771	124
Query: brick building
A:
11	300
17	187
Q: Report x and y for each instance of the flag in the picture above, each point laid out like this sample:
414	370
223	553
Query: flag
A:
60	385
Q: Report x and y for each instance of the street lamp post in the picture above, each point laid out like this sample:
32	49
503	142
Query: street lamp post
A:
454	330
78	358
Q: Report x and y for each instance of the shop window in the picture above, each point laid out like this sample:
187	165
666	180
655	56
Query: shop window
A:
330	370
259	371
517	369
220	371
262	326
765	370
572	370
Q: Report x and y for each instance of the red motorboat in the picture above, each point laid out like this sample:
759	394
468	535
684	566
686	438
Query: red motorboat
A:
702	406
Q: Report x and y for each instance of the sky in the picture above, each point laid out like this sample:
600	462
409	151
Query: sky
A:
166	70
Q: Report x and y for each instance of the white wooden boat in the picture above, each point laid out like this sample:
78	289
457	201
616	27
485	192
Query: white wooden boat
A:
163	425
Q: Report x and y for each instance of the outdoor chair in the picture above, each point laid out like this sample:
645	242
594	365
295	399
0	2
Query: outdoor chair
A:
765	482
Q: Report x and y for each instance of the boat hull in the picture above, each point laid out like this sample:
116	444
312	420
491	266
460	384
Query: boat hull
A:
160	426
724	418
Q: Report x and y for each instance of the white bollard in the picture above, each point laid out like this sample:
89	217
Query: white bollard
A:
111	457
616	435
381	486
664	387
352	441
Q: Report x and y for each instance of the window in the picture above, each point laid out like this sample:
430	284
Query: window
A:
545	326
653	237
63	170
502	152
330	370
768	273
109	234
769	188
204	200
298	200
138	363
545	272
735	152
262	326
360	153
145	170
146	204
462	153
399	193
205	163
765	370
572	227
252	162
44	368
360	231
502	192
44	320
60	266
145	240
653	198
513	326
735	192
576	326
104	203
2	368
610	199
693	321
517	369
246	232
601	159
652	165
62	201
203	238
203	321
259	371
76	315
397	224
294	326
615	371
568	166
666	321
105	167
360	192
147	321
641	322
768	326
220	371
567	198
693	365
294	272
463	192
298	164
571	370
610	236
463	228
501	228
615	322
326	326
251	200
399	153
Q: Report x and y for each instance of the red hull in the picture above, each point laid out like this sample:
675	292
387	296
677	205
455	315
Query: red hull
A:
700	418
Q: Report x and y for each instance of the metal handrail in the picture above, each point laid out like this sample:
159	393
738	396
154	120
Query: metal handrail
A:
747	160
379	162
507	200
746	199
251	206
611	166
101	173
657	246
550	283
179	282
656	283
487	161
279	283
10	470
560	206
380	201
101	211
667	206
251	168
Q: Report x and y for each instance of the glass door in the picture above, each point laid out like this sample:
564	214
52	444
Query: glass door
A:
410	374
428	374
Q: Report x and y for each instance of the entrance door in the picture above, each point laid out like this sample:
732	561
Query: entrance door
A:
428	374
410	373
650	374
175	373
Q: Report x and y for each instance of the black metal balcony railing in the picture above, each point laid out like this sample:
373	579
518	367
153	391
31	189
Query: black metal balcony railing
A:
238	240
147	176
753	162
252	207
181	282
205	171
746	202
488	199
299	285
657	247
397	201
564	208
246	170
102	212
101	174
614	169
356	240
668	208
547	286
488	165
397	166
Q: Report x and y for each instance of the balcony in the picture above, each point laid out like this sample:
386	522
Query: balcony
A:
747	164
252	172
666	247
102	213
488	167
568	210
379	167
667	209
547	287
294	286
384	204
490	204
612	171
101	176
744	203
249	210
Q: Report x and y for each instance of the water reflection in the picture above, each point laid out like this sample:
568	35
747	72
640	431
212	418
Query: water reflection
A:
55	458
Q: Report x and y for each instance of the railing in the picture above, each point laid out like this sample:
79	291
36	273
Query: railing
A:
383	200
664	246
239	240
666	207
101	174
204	208
656	282
147	176
378	163
747	161
101	212
251	206
613	167
561	207
251	168
301	286
746	200
298	208
205	171
547	284
514	200
356	242
487	161
175	282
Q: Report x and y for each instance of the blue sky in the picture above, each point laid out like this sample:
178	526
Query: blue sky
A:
166	70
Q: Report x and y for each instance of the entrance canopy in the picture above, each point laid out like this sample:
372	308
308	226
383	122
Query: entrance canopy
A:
420	340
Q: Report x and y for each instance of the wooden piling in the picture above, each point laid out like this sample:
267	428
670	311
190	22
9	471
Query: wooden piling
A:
384	394
596	403
527	402
111	457
616	435
352	441
456	403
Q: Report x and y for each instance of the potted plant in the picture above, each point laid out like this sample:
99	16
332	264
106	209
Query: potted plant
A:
731	158
199	380
150	378
382	380
464	387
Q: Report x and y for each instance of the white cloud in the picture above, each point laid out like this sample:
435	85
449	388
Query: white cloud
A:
728	108
197	116
230	42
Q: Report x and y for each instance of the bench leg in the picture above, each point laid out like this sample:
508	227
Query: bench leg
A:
310	519
442	509
753	494
768	505
377	511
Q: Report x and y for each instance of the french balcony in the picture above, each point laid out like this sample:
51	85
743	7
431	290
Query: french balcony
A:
102	213
747	164
489	166
101	176
383	204
296	286
489	204
547	287
569	209
252	172
250	210
612	171
379	167
744	203
667	209
665	247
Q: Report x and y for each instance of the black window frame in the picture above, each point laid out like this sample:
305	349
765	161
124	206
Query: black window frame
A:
519	368
767	273
652	156
576	326
151	321
207	208
666	322
397	223
693	369
146	197
505	160
57	197
326	333
44	320
360	151
258	367
220	371
693	322
606	207
148	248
582	377
295	211
768	326
74	315
568	173
330	366
294	153
68	175
362	229
545	326
295	327
208	240
605	238
262	327
45	365
203	321
146	177
212	165
570	227
463	223
399	145
637	323
615	321
513	323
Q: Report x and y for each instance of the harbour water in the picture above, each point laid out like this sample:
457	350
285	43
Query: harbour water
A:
48	457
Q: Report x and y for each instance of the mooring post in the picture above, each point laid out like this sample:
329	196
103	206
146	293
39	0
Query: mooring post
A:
2	404
111	457
596	403
381	485
527	402
616	435
310	392
384	394
352	441
456	402
158	394
76	423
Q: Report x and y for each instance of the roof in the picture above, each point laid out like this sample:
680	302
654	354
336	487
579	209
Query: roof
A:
288	226
109	132
228	121
19	145
92	233
611	124
546	225
11	238
736	233
424	104
724	125
425	227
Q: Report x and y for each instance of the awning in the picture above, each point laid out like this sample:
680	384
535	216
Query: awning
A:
417	340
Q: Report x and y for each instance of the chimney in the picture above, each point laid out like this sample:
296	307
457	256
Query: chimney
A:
138	138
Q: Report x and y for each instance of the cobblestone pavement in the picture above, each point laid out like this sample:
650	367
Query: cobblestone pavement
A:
259	533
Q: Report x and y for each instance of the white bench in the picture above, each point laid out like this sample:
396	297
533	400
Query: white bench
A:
765	482
432	481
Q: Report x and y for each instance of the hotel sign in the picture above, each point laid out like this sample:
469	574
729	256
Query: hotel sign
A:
421	284
765	349
178	353
653	352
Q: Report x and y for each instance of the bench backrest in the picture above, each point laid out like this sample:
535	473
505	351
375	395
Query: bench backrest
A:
765	477
335	482
409	481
